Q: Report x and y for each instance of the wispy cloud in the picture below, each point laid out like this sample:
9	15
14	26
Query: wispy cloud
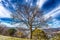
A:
13	25
40	3
0	0
4	12
52	13
55	23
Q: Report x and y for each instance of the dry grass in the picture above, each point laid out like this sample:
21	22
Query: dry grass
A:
11	38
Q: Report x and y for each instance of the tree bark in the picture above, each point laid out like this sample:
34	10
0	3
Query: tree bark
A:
30	32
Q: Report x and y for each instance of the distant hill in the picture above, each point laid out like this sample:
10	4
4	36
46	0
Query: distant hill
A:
51	30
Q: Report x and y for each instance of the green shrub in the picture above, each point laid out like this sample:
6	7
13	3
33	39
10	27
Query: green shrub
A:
39	34
11	31
56	37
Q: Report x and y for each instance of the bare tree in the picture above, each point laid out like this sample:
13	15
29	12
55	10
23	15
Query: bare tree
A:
28	15
31	16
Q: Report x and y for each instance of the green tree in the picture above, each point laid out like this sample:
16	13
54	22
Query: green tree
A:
11	31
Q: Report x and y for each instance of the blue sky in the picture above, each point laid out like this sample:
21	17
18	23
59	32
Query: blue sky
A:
51	9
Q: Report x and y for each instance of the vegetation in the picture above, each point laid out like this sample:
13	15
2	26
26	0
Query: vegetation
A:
39	34
56	37
11	31
19	34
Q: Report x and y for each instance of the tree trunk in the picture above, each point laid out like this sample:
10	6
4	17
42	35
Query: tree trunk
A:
30	32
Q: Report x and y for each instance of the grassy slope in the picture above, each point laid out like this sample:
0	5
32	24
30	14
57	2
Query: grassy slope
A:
10	38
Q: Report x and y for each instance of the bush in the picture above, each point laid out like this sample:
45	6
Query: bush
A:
39	34
19	34
56	37
11	31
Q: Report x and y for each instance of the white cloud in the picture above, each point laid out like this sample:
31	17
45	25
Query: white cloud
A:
0	0
4	12
26	0
55	23
40	3
6	24
13	25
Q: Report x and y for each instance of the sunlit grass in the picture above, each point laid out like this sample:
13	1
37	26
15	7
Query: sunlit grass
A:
14	38
11	38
